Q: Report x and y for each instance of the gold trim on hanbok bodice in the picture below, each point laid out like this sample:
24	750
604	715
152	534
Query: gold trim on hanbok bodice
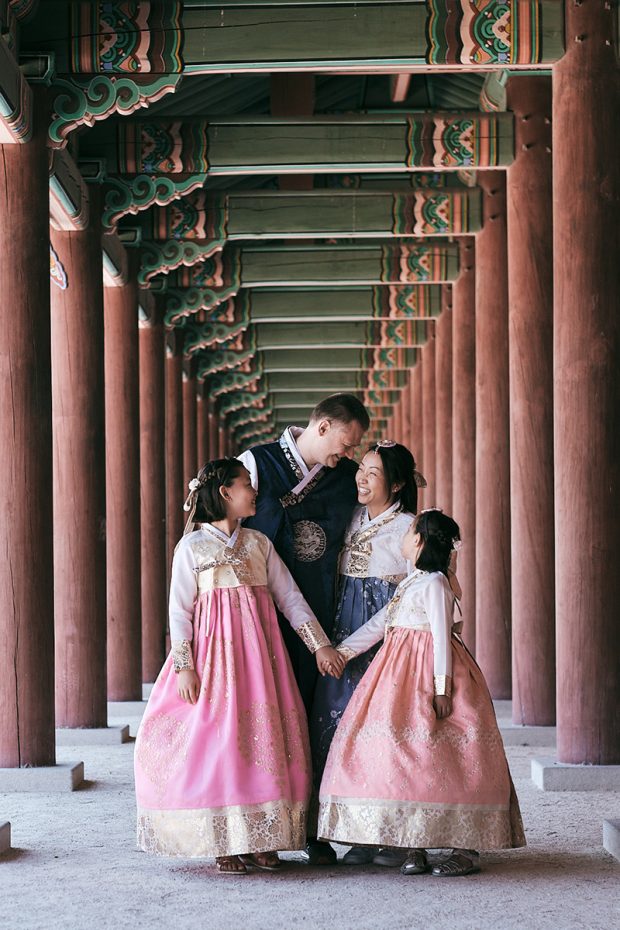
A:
372	548
241	560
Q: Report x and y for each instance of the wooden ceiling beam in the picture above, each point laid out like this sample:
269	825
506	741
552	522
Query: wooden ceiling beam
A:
348	36
438	141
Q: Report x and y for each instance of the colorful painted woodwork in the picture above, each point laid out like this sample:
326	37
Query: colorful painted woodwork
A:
84	102
228	382
69	199
163	147
200	336
57	272
461	141
348	214
432	213
378	333
194	216
489	32
132	195
161	258
231	402
446	141
126	37
190	301
15	99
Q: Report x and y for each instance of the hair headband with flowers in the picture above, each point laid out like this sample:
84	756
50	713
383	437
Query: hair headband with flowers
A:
191	501
443	538
418	477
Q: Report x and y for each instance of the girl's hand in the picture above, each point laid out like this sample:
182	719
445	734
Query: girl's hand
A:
330	661
188	685
443	706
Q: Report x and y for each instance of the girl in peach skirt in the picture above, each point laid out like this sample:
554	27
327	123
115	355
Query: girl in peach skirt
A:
418	761
222	761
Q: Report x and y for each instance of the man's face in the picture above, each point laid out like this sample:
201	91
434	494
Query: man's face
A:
337	440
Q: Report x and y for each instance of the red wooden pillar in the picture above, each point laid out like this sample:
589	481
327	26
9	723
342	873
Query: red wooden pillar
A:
417	422
429	454
464	428
391	424
405	401
391	432
79	478
26	528
190	423
586	245
530	286
443	401
222	448
492	441
175	487
151	339
202	421
122	414
212	420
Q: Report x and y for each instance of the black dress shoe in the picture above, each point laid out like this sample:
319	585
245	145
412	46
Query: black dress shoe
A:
319	853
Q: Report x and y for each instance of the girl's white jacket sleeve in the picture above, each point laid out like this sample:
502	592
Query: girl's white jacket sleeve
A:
365	638
291	603
439	605
183	592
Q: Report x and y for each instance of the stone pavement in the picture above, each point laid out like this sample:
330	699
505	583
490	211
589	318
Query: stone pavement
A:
74	866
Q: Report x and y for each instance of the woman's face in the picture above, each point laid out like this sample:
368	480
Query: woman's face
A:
411	544
371	486
240	497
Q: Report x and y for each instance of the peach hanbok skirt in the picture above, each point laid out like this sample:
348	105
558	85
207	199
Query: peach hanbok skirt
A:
230	774
398	776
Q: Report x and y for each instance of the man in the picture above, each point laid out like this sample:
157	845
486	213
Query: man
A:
306	495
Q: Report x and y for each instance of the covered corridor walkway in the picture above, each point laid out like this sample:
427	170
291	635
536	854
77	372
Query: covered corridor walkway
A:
247	206
75	866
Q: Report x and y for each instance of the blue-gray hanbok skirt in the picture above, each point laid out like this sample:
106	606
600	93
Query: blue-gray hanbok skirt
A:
359	599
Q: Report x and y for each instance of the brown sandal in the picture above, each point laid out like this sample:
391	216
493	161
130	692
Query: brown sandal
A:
264	862
223	863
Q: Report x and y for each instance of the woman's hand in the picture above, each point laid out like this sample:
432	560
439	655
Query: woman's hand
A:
188	685
443	706
330	661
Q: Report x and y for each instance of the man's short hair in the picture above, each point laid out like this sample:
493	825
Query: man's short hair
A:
343	408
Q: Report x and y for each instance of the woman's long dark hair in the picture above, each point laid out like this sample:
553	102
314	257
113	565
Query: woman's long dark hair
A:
398	468
439	533
210	505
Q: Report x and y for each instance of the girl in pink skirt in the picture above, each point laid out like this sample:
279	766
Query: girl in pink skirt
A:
418	761
222	757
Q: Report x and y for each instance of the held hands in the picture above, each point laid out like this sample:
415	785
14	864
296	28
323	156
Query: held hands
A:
188	685
330	661
443	706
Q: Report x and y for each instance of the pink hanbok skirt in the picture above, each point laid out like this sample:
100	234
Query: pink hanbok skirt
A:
398	776
230	774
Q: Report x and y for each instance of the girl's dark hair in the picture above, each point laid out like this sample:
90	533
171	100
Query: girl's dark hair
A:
439	533
210	504
398	468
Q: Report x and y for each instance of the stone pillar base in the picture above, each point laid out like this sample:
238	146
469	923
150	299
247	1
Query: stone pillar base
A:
127	710
5	837
611	837
65	777
550	775
92	736
515	735
147	687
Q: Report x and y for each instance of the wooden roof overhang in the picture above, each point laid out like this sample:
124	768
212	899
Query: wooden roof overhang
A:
277	295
